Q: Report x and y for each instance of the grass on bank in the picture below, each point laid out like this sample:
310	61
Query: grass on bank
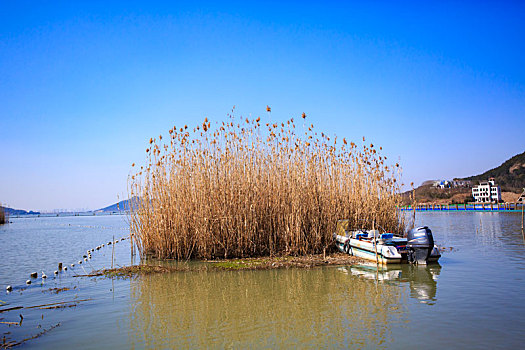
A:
245	188
260	263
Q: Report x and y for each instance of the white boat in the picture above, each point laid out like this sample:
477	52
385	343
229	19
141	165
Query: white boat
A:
386	248
422	280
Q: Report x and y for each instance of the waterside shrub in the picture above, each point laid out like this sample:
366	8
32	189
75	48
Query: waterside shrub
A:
245	188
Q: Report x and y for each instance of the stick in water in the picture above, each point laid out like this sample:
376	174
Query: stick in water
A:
112	251
375	241
522	206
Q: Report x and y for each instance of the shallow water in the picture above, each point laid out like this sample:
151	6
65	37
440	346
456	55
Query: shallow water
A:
473	299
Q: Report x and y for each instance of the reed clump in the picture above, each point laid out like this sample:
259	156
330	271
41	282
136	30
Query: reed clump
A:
244	188
2	216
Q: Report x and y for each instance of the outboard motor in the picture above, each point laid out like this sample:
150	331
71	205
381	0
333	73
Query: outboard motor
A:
419	245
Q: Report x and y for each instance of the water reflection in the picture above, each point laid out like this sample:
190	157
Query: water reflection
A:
276	308
480	288
480	236
422	280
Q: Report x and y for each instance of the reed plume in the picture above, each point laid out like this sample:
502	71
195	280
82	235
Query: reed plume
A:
244	188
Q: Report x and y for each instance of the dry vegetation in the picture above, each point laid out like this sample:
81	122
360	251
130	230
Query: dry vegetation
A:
245	188
2	216
259	263
426	194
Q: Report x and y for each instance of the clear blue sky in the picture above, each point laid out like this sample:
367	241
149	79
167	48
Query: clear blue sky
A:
83	86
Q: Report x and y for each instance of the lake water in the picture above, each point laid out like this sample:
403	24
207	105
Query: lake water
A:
474	298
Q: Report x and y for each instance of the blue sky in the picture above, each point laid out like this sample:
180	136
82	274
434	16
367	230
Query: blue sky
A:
83	86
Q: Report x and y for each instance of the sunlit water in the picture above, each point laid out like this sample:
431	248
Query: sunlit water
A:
475	297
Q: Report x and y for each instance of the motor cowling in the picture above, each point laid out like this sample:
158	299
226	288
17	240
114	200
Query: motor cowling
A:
420	243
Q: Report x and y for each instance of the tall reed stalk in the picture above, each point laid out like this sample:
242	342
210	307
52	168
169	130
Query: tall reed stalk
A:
244	188
2	215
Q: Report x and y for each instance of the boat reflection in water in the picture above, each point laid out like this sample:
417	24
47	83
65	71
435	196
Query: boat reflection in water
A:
421	279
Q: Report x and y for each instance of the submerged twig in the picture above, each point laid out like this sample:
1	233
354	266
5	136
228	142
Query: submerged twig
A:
11	308
8	345
59	303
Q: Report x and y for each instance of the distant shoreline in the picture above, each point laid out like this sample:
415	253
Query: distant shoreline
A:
474	207
52	215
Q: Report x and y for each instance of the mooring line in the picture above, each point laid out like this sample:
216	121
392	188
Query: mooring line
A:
61	269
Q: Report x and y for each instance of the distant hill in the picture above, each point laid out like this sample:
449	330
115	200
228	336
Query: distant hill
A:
120	206
12	212
429	194
510	175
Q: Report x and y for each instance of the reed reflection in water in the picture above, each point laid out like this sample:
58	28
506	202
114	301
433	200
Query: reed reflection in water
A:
274	308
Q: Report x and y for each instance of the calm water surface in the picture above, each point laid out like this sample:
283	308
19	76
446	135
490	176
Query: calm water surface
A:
475	297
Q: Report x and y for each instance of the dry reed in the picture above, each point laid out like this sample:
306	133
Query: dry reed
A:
2	216
243	188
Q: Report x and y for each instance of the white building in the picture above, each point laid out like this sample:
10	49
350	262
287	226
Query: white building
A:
486	192
442	184
447	183
461	183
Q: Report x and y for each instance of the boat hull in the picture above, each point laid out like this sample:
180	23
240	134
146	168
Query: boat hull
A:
386	254
366	250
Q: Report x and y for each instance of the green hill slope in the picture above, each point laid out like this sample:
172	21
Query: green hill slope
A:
509	175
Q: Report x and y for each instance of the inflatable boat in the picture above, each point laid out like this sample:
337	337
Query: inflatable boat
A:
386	248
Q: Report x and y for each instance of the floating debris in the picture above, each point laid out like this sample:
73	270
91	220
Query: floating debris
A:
11	344
54	304
58	290
11	308
14	323
57	307
61	267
